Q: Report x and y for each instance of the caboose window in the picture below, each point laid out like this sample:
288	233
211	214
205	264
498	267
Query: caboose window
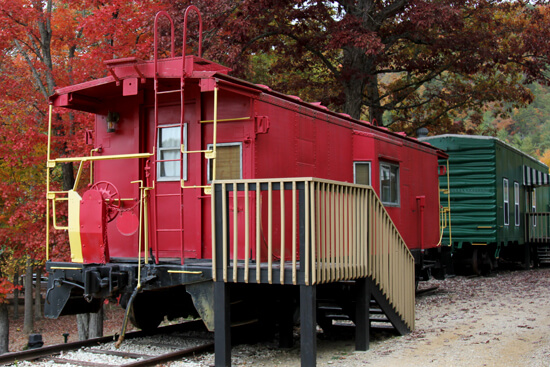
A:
169	153
506	197
361	173
389	184
516	204
228	162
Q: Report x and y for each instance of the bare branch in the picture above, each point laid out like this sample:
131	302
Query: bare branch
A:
35	73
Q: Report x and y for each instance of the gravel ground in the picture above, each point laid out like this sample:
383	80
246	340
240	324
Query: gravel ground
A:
503	320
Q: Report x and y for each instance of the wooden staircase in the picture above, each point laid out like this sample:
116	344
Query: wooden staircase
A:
336	310
344	256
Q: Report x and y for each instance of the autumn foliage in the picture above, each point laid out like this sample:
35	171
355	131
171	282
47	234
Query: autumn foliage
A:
46	44
403	63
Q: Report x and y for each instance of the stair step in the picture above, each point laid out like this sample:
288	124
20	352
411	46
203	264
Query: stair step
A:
337	317
383	319
329	308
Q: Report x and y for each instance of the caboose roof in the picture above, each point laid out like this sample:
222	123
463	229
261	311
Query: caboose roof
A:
89	96
317	106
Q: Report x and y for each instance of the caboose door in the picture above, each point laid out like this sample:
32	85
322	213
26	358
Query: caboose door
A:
174	212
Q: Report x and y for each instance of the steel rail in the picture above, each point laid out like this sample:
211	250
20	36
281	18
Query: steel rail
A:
32	354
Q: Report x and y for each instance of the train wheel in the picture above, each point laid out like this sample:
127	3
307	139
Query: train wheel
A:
143	314
482	263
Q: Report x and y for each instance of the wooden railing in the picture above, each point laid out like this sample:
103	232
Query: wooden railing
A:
331	231
537	227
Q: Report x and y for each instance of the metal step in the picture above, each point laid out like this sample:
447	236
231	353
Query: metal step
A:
543	253
333	313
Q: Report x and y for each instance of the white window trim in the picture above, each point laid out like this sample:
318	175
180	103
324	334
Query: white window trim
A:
183	174
389	165
368	163
534	206
517	214
506	201
210	146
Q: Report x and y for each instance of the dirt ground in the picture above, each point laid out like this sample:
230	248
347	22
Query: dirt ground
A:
502	320
52	330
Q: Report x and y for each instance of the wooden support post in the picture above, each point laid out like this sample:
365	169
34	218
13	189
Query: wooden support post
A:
362	316
222	325
308	325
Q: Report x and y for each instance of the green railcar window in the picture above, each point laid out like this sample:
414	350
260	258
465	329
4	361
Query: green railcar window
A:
516	204
506	196
534	206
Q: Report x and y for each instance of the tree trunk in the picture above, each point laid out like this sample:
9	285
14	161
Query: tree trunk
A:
16	296
83	321
90	325
38	294
4	328
28	323
354	64
376	112
96	324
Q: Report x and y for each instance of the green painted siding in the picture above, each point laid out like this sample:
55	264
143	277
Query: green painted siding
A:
472	183
478	167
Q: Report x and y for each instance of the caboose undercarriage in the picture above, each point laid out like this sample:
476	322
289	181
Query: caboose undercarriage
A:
164	290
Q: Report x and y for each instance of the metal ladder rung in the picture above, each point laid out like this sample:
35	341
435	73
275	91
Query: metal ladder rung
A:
170	91
195	151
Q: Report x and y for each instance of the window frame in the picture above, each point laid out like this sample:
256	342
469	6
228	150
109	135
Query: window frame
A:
517	214
183	166
389	166
210	146
506	201
366	163
534	206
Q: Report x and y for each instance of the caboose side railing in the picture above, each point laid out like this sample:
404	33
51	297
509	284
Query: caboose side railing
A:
308	231
70	196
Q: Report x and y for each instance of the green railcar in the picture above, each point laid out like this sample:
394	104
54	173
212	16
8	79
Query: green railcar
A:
494	190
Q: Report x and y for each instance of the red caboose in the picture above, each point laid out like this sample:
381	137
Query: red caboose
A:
165	129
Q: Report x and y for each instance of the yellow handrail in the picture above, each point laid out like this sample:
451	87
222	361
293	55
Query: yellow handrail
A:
51	163
101	157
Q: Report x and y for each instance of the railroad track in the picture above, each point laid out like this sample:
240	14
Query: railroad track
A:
168	343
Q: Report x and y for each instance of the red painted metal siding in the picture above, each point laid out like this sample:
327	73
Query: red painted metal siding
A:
278	137
126	139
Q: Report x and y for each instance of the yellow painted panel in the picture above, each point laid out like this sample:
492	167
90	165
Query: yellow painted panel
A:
74	227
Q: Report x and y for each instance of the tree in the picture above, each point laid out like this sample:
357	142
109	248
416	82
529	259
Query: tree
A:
6	287
44	44
4	320
403	63
28	323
